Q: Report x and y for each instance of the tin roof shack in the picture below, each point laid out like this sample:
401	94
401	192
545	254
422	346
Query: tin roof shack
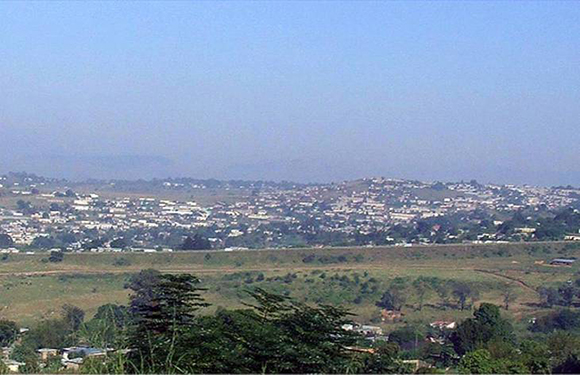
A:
73	364
562	262
443	324
82	352
73	358
365	330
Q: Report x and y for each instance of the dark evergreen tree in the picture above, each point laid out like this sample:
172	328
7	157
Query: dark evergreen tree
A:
73	316
197	242
8	332
5	241
162	310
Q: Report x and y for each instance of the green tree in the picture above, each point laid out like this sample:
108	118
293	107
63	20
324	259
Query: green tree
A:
441	355
393	299
107	327
114	363
567	293
487	325
161	312
278	335
443	290
535	356
422	288
43	242
481	361
315	340
73	316
118	243
116	314
477	362
566	320
31	366
570	366
407	337
197	242
549	296
26	354
50	333
56	256
144	281
384	360
8	332
6	241
562	346
463	292
509	295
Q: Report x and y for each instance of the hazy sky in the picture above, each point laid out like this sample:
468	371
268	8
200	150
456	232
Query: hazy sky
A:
301	90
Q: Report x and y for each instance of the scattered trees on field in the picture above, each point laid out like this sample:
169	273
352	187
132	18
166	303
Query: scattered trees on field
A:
392	299
509	295
463	292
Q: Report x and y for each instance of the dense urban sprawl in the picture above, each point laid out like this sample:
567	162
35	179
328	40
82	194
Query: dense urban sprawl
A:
39	213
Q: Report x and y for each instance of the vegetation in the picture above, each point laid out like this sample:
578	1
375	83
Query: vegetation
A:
8	332
109	308
165	331
197	242
354	277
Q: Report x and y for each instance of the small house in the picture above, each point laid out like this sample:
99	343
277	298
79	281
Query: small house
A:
562	262
442	324
369	330
13	366
46	353
81	352
391	315
72	364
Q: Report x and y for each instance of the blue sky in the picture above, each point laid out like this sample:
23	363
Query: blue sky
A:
308	91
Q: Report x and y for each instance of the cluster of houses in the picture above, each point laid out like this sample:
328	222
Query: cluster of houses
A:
70	358
362	207
437	335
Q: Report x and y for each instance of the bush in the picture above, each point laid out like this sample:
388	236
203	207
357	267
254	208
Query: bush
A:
565	320
8	332
56	256
121	262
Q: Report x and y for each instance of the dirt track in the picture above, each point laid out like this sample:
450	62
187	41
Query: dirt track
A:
505	277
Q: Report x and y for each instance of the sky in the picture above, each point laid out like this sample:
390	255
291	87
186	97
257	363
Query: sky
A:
302	91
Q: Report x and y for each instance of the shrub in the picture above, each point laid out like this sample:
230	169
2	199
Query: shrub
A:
122	262
56	256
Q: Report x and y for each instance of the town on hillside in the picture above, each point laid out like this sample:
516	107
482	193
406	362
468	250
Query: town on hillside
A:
39	213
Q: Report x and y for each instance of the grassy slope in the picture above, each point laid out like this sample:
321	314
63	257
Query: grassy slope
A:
31	288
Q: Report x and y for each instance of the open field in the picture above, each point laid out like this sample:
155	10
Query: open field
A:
32	288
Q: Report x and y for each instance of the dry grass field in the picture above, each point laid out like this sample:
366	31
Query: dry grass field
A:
31	288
